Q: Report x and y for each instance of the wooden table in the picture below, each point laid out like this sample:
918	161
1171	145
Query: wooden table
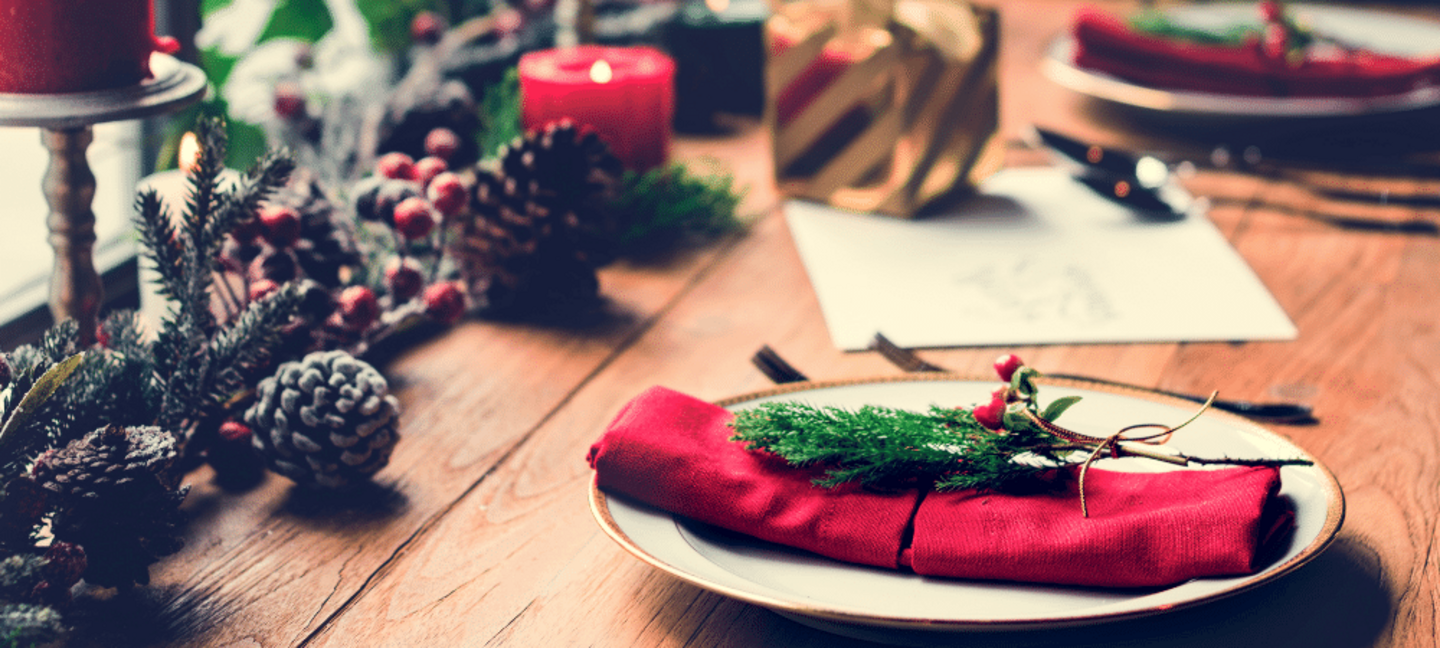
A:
478	533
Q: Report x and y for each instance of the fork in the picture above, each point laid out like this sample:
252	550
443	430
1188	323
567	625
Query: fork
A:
1282	413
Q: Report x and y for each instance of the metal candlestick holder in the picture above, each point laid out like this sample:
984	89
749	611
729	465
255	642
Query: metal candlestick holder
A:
65	121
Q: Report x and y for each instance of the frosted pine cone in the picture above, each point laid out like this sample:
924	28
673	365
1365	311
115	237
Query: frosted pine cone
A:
327	419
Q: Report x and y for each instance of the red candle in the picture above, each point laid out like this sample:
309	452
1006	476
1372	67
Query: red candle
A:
57	46
627	94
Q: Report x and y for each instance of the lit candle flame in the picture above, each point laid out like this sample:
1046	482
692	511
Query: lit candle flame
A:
189	155
600	72
718	6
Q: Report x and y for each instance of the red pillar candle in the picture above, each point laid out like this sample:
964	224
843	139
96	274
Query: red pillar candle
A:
627	94
59	46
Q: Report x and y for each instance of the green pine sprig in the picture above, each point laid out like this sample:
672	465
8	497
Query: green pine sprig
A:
670	204
948	448
886	447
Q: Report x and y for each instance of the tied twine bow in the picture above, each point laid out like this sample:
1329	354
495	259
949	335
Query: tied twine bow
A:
1099	445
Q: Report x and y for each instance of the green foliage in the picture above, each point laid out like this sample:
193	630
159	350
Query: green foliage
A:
944	448
303	20
60	391
389	21
198	374
500	114
669	204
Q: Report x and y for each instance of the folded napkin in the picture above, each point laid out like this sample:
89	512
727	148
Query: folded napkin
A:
1105	43
673	452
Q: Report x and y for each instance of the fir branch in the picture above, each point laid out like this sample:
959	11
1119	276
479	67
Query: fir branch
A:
884	446
158	236
263	179
949	448
669	204
500	110
244	346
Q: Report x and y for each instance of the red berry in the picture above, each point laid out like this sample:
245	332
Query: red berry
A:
442	143
428	167
260	288
404	279
396	165
246	231
991	415
289	101
280	225
448	194
1270	11
1276	41
427	27
1006	365
64	563
414	218
234	431
444	302
358	308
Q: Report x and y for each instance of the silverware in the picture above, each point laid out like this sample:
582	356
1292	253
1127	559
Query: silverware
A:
776	368
1141	183
1111	171
1280	413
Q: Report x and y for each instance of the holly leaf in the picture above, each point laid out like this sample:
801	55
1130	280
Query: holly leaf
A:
1058	407
39	393
303	20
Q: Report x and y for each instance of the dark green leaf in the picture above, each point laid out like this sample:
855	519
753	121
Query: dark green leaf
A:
303	20
208	7
1058	407
217	65
39	393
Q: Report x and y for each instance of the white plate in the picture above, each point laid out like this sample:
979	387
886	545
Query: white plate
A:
858	600
1381	32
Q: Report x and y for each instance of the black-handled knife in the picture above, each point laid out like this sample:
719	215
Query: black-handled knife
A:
1135	182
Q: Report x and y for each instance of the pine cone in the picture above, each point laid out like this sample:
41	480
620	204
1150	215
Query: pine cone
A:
328	420
117	500
325	245
542	221
422	104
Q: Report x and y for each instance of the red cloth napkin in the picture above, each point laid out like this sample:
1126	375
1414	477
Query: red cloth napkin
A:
1107	44
673	452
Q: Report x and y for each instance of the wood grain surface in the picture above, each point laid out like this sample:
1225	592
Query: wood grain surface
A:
478	533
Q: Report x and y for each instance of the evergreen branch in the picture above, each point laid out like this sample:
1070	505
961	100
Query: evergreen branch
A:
500	112
884	446
244	345
948	448
669	204
266	176
158	236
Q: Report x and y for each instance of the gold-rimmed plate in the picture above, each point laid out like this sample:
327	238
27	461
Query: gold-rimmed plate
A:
859	601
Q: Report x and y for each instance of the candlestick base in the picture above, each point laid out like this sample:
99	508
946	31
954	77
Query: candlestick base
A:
69	185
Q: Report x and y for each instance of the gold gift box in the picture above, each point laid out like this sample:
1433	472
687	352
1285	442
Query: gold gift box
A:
882	105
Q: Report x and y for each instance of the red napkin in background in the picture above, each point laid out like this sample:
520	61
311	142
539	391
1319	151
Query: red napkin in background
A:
673	452
1105	43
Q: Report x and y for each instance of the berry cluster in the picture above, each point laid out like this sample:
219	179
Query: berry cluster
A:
992	414
416	201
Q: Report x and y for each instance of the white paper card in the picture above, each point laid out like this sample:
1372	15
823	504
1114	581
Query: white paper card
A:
1037	258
